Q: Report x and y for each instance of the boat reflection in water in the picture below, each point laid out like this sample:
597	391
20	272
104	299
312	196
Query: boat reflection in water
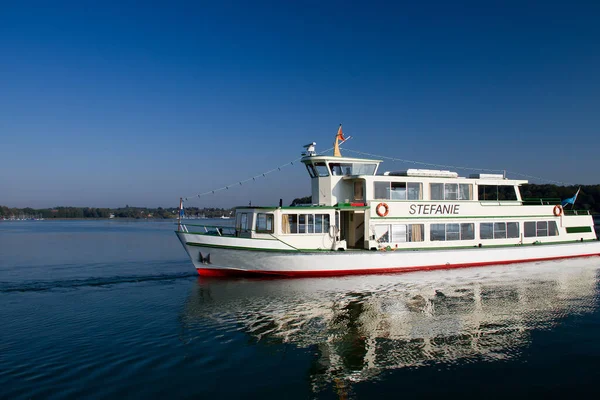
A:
361	326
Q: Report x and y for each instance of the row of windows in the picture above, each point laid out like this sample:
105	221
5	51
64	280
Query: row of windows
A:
452	232
451	191
398	190
541	228
398	233
441	191
305	223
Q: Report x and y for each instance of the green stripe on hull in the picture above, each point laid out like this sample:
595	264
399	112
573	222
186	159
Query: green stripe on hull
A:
484	246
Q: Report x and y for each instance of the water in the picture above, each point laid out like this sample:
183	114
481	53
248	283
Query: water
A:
107	309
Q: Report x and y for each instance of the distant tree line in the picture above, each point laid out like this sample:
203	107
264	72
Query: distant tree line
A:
588	199
123	212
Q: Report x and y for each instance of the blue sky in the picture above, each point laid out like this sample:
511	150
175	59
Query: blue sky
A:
110	103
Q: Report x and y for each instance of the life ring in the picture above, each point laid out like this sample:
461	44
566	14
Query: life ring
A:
558	210
382	213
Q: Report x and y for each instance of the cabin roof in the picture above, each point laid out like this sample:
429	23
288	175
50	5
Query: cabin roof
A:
338	159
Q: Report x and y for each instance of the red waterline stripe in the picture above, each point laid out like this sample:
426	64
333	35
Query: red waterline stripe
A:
213	272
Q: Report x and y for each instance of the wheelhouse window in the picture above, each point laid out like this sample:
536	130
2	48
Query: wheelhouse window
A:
264	223
398	190
451	191
499	230
311	170
338	169
447	232
398	233
496	193
321	169
304	223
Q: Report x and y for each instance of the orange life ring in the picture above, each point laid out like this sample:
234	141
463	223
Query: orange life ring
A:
557	210
378	209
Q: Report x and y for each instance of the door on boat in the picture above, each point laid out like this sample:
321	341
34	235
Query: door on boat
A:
352	228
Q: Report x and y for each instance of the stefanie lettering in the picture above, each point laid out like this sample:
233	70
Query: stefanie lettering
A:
434	209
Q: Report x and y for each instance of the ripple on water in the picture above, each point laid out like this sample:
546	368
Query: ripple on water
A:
142	335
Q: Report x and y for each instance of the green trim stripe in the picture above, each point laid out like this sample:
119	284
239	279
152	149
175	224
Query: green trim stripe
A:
485	246
470	217
579	229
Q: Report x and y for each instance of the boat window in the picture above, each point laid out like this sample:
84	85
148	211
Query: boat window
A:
530	229
486	231
451	191
398	190
552	228
363	169
311	170
496	192
398	233
415	191
352	169
381	190
512	230
321	169
340	169
465	191
467	231
289	223
443	232
499	230
541	228
437	191
359	192
264	223
321	223
304	223
243	222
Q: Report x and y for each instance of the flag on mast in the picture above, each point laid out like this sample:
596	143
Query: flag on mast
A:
181	211
336	145
570	200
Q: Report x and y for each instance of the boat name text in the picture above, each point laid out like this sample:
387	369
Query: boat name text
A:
434	209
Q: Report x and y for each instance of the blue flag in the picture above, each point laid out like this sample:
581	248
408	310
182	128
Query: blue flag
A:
181	211
570	200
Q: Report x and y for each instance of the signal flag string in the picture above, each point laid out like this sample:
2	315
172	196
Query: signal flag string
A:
263	175
458	167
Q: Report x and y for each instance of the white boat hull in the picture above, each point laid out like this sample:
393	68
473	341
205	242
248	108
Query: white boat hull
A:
211	259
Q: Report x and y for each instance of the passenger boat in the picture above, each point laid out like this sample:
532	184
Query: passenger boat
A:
362	221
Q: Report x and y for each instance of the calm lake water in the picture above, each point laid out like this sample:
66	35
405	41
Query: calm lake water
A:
108	309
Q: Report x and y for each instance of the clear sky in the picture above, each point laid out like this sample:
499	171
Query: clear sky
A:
111	103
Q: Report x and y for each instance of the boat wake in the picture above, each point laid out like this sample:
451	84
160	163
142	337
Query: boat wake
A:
40	286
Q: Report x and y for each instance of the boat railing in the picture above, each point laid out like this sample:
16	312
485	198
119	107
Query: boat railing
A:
540	201
577	212
218	230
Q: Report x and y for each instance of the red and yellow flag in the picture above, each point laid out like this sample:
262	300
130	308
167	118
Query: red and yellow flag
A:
336	144
340	134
